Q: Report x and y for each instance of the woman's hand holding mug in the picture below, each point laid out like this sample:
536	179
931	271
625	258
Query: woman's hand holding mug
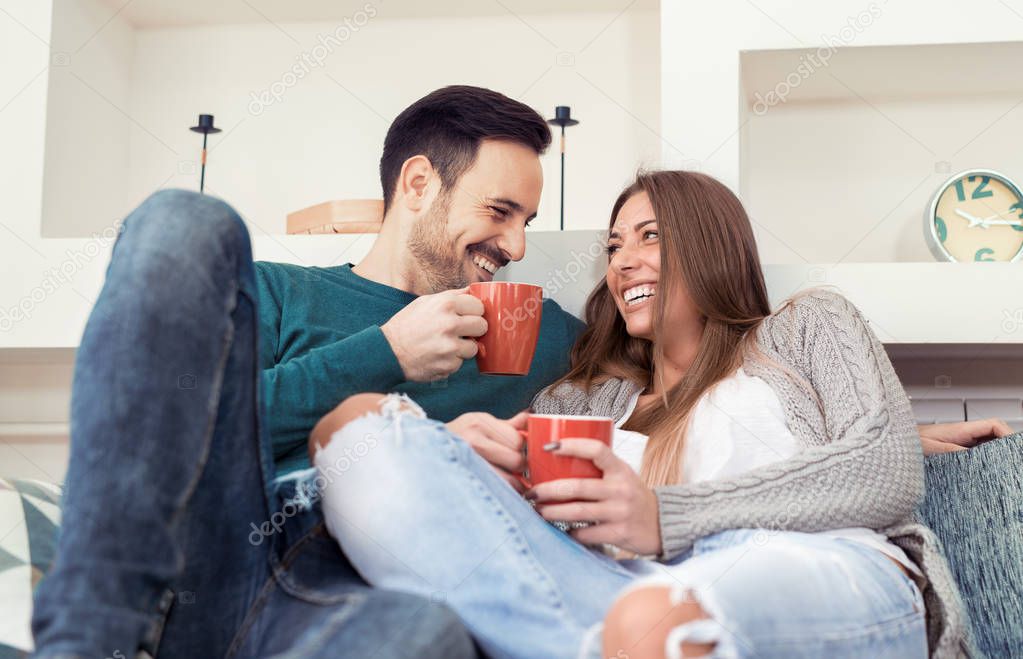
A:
624	508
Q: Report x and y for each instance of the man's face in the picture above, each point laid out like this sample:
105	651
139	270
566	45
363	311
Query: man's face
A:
478	225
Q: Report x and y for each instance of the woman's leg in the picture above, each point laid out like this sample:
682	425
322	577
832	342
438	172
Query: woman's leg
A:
415	509
765	594
640	622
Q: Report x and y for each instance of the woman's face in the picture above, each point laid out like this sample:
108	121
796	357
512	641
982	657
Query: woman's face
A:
634	268
634	264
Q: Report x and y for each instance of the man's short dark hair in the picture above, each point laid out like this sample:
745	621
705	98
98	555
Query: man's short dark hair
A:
447	127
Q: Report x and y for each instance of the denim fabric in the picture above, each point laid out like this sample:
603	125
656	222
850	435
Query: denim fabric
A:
787	594
170	539
417	510
974	504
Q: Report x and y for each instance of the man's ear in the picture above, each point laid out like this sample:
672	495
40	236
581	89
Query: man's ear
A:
415	183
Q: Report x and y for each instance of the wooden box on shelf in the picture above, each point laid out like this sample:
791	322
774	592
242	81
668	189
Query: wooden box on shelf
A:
343	216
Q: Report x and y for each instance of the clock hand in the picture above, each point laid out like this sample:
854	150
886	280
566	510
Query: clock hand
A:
996	215
1006	223
974	221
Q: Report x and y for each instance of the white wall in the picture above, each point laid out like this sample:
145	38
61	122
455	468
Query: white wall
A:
701	95
859	194
841	166
24	60
87	131
320	142
322	139
24	66
694	118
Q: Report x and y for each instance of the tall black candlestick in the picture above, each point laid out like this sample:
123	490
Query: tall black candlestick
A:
205	127
563	118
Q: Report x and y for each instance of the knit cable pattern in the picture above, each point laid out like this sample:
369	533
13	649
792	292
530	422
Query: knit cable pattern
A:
860	463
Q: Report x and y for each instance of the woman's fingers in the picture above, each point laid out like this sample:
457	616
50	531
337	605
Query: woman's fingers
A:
589	449
966	433
933	446
1000	428
577	511
569	489
977	431
612	534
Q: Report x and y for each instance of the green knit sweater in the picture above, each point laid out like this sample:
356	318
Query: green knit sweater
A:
320	342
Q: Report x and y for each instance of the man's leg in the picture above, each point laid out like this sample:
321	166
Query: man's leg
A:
318	607
167	485
167	468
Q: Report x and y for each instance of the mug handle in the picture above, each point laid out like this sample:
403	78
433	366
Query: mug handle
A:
524	477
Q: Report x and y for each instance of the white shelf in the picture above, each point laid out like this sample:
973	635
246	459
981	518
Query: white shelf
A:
907	303
912	303
932	70
188	13
42	432
842	150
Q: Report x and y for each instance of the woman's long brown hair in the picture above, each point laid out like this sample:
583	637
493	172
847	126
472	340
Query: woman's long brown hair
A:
708	250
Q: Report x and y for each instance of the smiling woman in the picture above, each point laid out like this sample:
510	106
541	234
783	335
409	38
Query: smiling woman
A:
676	238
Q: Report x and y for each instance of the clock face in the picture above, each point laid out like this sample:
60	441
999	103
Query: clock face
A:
978	216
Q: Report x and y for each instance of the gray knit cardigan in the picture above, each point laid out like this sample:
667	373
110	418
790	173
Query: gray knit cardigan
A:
860	462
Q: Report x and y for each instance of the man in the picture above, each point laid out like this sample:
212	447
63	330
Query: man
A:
175	536
167	544
462	179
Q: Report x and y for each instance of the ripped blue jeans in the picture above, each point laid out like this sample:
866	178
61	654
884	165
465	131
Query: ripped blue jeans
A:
417	510
173	539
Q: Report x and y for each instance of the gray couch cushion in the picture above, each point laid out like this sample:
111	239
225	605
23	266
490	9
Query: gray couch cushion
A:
974	503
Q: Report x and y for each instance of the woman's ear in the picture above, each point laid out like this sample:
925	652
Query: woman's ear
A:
414	183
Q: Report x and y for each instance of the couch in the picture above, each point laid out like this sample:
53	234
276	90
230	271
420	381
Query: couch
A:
974	503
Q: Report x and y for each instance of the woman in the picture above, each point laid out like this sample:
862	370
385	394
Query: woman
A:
763	467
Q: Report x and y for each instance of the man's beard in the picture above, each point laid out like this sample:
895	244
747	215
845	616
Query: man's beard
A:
436	265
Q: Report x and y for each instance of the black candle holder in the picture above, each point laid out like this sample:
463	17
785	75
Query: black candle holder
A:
563	118
205	127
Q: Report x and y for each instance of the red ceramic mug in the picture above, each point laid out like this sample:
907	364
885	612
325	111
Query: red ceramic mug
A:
542	429
512	312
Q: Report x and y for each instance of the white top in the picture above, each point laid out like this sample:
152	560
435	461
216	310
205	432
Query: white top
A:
737	426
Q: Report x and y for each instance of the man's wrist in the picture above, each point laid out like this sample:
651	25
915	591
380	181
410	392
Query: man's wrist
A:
388	331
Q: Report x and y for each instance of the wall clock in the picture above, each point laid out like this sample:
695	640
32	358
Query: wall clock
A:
976	215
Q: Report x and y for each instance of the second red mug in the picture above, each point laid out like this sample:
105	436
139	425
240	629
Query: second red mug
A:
513	313
542	429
